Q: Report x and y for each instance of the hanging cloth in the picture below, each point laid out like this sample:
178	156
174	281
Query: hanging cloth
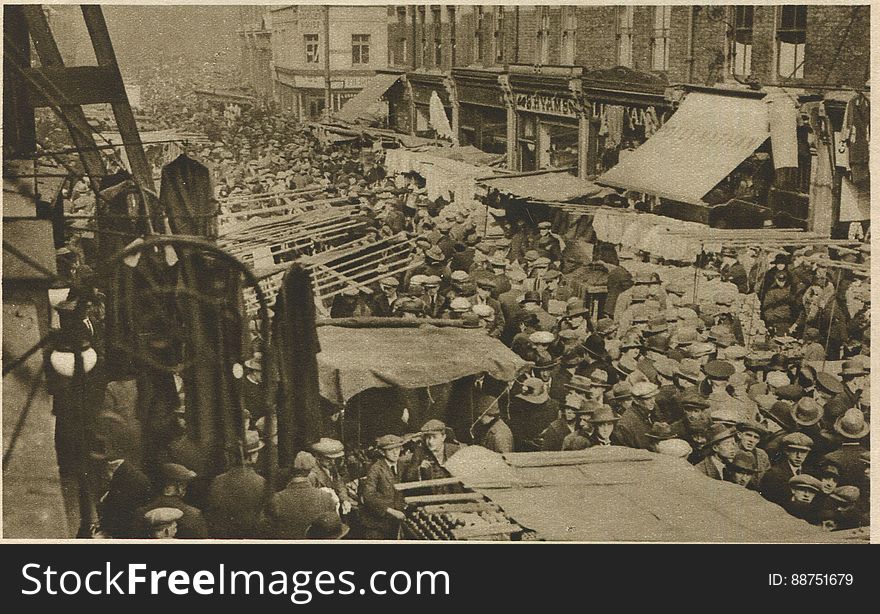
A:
437	118
187	198
856	132
782	114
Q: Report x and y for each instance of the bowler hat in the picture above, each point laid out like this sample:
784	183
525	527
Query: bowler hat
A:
530	297
533	392
602	415
806	412
620	391
661	430
252	442
853	367
852	424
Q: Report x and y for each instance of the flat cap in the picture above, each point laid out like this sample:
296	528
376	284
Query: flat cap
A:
386	442
433	426
718	369
172	472
805	481
846	494
744	462
790	392
644	390
162	516
328	448
797	441
828	383
542	337
699	349
691	397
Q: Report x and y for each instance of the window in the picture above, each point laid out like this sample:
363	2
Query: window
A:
360	48
741	60
312	49
625	36
424	35
569	35
544	37
791	38
498	35
438	37
660	42
478	34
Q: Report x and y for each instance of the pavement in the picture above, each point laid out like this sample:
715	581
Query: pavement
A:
33	506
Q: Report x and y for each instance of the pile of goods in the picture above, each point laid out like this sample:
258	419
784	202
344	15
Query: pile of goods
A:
477	520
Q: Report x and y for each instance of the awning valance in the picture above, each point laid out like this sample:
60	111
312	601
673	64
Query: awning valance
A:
366	102
549	186
703	142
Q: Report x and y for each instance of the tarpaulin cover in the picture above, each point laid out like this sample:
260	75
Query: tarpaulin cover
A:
622	494
701	144
366	102
355	359
550	186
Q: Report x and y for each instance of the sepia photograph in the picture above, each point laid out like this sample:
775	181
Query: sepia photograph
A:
517	272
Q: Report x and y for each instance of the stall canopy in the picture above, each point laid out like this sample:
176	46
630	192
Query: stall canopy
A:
365	103
548	186
703	142
623	494
355	359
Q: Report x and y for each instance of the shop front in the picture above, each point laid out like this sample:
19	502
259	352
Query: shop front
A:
482	109
626	108
434	109
547	127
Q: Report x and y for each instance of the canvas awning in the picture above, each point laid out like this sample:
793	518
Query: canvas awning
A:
355	359
366	102
549	186
623	494
703	142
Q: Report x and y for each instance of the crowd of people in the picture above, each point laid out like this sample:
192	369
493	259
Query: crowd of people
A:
642	363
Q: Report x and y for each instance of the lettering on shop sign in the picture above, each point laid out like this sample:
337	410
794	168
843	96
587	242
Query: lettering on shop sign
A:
646	117
548	104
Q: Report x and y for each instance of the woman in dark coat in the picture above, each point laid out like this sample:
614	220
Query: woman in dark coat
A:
778	307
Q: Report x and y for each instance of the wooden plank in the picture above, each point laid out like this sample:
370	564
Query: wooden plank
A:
463	496
453	508
75	85
485	530
426	483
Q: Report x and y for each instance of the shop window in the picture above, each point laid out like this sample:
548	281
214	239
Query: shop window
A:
743	28
498	36
569	35
360	48
660	41
791	39
478	35
544	37
313	55
625	36
527	146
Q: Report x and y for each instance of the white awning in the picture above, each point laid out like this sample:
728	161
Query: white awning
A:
701	144
366	102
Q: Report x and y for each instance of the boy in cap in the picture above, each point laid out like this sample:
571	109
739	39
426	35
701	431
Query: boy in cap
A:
749	434
722	448
329	471
173	482
382	511
774	486
162	522
383	302
636	422
429	458
803	502
741	470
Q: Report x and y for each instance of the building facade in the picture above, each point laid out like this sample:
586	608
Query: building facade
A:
357	45
254	35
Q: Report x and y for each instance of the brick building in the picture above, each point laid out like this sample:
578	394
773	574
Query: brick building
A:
254	34
357	48
581	87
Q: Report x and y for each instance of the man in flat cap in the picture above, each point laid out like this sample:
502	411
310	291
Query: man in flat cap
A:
383	505
291	511
173	482
547	244
491	431
235	498
429	458
803	501
774	486
329	471
636	422
749	435
161	522
383	302
127	489
741	470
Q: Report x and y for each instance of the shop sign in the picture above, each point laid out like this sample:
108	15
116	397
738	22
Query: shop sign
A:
485	96
635	117
547	104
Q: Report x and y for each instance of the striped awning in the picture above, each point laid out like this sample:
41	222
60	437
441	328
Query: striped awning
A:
701	144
